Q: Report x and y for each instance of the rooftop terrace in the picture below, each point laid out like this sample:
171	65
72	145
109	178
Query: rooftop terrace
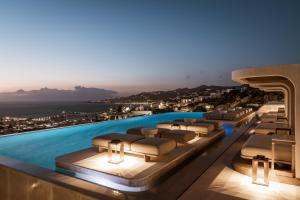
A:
208	166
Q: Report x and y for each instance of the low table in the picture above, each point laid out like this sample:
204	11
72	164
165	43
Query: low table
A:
286	140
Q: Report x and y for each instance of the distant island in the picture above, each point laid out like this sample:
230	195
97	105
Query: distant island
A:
49	95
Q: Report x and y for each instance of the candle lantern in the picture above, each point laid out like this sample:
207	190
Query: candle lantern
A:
115	151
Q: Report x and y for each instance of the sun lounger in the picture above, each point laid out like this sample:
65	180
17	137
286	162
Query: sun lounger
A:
229	115
166	125
136	144
201	128
270	128
180	136
272	113
282	121
268	118
173	125
262	145
216	124
103	140
194	120
153	147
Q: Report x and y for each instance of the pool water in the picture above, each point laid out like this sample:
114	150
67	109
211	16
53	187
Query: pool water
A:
42	147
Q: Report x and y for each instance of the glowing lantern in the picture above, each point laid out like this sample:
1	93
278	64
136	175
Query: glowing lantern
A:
115	151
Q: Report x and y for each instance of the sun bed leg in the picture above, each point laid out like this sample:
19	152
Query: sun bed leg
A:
147	158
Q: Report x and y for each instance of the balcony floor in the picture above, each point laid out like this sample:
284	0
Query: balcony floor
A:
220	181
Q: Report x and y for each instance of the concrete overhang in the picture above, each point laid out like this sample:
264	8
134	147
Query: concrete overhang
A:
284	78
275	73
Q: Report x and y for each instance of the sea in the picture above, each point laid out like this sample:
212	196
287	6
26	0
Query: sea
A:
41	109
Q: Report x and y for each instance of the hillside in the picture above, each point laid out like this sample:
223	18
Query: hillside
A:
173	94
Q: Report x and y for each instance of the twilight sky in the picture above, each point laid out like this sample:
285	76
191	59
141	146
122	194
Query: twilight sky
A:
133	46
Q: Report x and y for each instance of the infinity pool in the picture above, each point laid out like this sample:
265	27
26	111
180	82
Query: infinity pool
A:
42	147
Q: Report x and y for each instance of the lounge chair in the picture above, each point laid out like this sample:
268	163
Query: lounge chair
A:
268	118
138	145
228	115
270	128
153	147
103	140
262	145
282	121
201	128
217	124
180	136
173	125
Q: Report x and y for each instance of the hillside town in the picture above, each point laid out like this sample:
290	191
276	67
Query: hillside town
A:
201	99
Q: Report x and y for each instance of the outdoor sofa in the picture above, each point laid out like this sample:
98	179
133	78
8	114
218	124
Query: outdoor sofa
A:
137	144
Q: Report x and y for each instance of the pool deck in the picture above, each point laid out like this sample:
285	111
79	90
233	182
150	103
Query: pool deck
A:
134	172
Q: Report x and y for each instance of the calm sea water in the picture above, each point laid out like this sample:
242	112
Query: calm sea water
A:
38	109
